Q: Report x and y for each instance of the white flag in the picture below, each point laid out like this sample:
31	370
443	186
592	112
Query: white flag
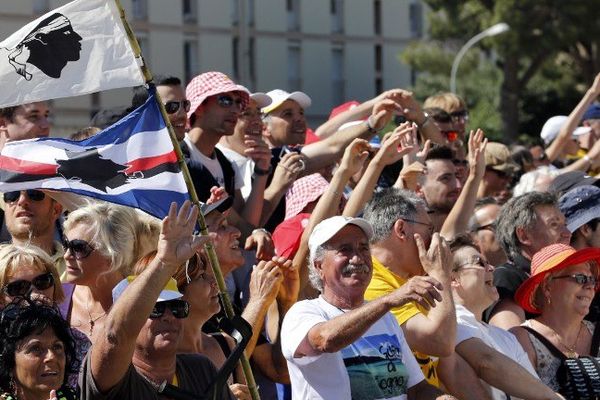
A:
73	50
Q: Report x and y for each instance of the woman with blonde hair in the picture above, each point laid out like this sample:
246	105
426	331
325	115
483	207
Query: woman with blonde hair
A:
28	271
102	243
561	288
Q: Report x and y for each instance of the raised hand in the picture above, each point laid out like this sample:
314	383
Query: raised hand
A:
437	260
355	155
265	280
397	145
288	169
476	157
176	244
423	290
258	150
290	286
216	193
263	242
383	111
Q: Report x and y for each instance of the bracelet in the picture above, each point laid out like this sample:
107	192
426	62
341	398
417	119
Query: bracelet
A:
262	172
263	230
588	159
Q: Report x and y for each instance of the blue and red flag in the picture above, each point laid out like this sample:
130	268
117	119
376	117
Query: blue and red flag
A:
132	163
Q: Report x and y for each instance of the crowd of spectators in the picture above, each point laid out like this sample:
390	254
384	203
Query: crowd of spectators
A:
393	252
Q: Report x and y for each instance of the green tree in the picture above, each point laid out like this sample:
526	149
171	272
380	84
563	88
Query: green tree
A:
520	66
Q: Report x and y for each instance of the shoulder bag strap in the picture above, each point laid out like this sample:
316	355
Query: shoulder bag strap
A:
552	348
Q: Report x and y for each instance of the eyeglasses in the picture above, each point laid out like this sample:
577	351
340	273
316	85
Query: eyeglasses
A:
32	194
476	262
582	279
79	248
450	135
226	101
171	107
179	309
457	115
22	286
429	225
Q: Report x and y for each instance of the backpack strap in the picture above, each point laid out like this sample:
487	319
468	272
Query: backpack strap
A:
552	348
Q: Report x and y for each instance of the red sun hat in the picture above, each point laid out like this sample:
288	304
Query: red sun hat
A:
548	260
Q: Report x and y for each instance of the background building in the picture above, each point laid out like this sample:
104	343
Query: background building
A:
334	50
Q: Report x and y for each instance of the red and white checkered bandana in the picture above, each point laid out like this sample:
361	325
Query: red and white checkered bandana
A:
302	192
210	84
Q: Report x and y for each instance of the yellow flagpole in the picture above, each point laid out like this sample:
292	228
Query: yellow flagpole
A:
210	250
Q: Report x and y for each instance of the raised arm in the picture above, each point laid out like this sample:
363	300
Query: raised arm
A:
458	218
435	332
555	148
111	354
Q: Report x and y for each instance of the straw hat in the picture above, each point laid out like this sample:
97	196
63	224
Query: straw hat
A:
548	260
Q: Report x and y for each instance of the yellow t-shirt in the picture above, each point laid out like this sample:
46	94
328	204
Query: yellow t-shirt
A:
385	281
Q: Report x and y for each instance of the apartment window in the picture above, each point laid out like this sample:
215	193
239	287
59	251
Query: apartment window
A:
337	75
293	14
378	58
190	10
337	16
415	12
190	58
294	70
235	12
41	6
250	12
140	9
235	48
252	59
377	17
378	86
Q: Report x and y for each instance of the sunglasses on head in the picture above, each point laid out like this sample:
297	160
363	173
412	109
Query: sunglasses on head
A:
79	248
32	194
179	309
22	286
581	279
226	101
171	107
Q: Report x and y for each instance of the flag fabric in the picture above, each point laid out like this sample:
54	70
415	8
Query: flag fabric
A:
132	163
73	50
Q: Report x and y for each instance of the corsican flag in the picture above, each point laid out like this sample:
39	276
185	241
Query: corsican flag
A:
132	163
73	50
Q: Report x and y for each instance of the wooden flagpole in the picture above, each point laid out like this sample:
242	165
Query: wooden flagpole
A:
210	250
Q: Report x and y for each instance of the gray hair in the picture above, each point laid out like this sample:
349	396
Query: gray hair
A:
313	273
528	182
389	205
519	212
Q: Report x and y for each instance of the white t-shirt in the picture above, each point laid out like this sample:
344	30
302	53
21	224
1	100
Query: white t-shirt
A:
379	365
244	167
497	338
212	164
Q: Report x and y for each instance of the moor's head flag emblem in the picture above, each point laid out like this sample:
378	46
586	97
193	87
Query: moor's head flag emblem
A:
49	46
90	168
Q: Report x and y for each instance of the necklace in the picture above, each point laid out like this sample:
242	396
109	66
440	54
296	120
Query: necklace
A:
92	321
570	353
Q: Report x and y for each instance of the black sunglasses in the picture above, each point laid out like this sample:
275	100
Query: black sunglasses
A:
79	248
582	279
179	309
171	107
456	115
22	286
226	101
32	194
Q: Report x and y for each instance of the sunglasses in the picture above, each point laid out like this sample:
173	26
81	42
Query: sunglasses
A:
456	115
179	309
226	101
500	174
21	287
171	107
581	279
32	194
79	248
450	135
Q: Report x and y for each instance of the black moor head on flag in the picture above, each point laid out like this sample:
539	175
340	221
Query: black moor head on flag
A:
49	46
89	168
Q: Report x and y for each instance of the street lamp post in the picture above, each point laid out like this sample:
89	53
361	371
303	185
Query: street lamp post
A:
491	31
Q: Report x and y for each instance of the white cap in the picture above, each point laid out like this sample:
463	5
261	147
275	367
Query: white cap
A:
261	99
278	96
170	292
329	227
552	127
